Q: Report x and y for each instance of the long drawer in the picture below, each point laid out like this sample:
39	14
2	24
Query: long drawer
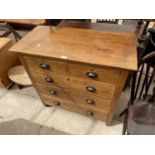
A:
89	101
75	84
52	91
96	114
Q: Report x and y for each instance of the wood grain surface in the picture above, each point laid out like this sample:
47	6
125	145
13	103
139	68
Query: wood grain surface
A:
4	42
7	60
19	76
25	21
114	49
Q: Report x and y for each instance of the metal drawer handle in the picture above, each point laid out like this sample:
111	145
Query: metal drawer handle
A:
92	75
91	89
53	92
90	113
49	80
56	103
89	101
45	66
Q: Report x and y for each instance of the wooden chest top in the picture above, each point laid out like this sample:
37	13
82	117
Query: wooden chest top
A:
103	48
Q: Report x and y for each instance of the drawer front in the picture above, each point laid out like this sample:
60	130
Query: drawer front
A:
52	91
75	84
95	114
81	99
43	65
106	75
90	101
54	101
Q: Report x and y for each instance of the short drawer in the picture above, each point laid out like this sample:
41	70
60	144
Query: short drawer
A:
75	84
104	74
46	65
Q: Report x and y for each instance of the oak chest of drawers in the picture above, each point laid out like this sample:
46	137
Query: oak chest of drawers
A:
80	70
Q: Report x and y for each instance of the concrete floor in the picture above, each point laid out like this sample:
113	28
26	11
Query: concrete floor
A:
22	112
